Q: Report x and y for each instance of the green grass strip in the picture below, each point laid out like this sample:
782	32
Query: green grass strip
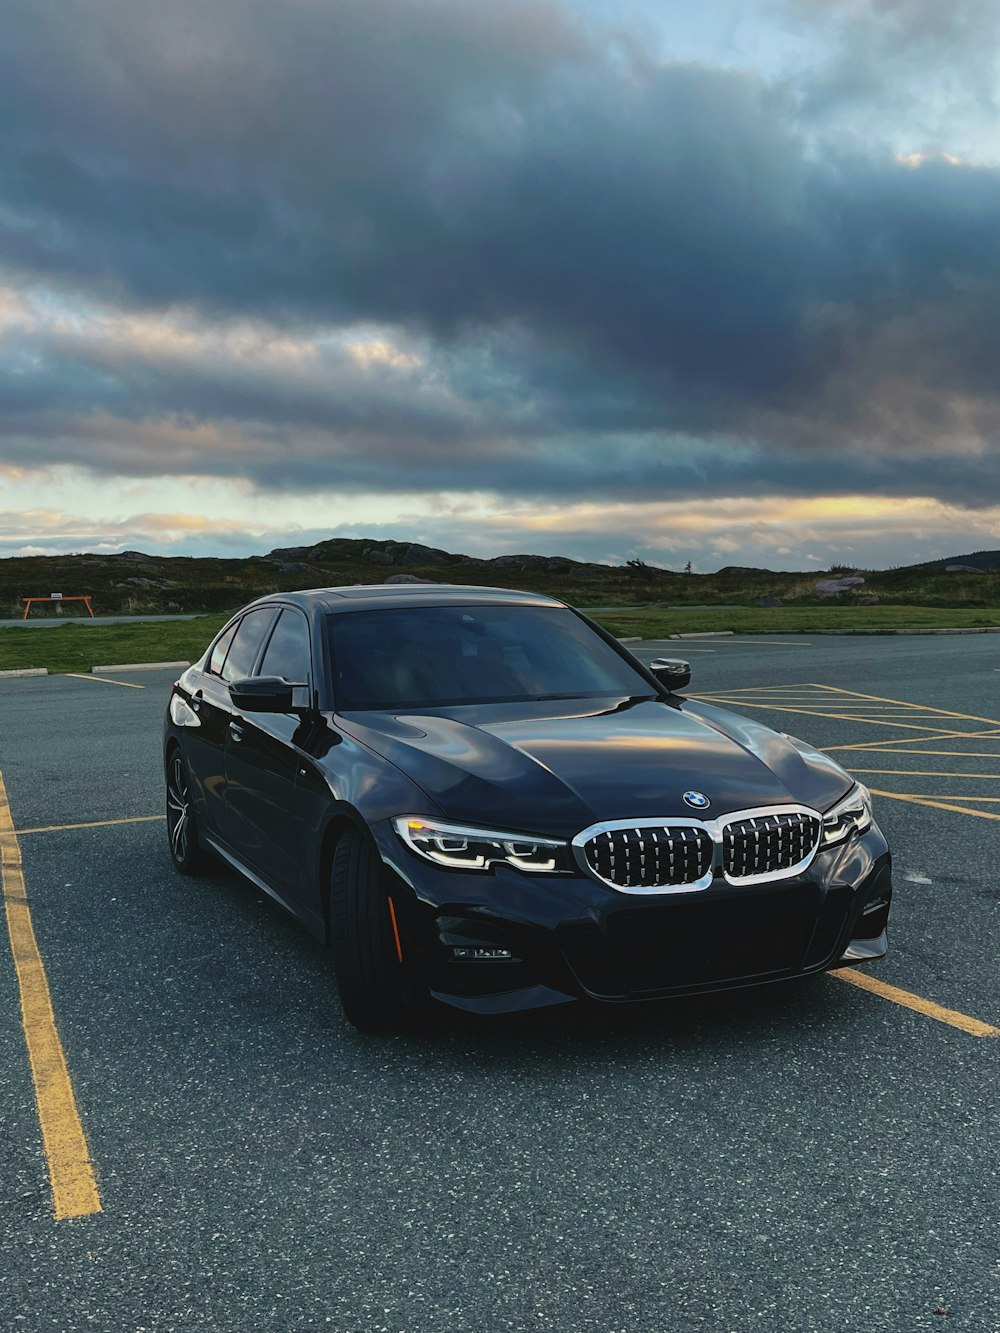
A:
77	646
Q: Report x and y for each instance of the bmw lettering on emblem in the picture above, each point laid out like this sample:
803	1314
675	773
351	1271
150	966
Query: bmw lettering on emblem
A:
697	800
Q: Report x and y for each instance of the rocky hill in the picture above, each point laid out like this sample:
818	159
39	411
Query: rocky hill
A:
133	582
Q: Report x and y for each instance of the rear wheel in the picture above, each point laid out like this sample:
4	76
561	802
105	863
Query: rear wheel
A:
182	832
367	949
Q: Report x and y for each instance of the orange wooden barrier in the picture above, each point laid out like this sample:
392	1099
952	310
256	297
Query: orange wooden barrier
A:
59	598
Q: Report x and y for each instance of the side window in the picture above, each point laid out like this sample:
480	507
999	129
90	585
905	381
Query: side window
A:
244	648
221	648
287	654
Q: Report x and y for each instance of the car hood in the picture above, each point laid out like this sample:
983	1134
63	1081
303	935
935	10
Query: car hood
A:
554	768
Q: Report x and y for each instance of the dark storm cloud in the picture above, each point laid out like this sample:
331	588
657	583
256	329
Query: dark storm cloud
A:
927	59
625	276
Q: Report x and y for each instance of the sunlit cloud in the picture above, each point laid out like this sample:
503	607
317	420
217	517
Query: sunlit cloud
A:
713	286
763	530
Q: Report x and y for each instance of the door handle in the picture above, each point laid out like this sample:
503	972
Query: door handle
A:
236	731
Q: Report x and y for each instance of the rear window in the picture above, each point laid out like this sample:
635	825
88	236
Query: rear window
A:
430	657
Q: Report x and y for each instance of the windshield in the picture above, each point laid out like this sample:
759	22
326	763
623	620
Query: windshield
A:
430	657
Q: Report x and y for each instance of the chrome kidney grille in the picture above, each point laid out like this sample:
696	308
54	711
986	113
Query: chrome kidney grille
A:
646	857
684	855
764	844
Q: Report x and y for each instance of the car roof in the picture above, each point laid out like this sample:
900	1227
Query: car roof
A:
364	596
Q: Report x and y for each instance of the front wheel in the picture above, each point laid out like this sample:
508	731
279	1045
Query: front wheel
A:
368	957
182	832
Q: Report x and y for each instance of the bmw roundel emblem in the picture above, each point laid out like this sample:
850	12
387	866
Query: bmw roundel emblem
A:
697	800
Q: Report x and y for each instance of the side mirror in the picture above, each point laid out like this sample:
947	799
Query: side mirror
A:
262	694
671	672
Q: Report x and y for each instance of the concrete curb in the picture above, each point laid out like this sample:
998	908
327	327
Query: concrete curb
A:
632	638
138	666
982	629
26	671
704	634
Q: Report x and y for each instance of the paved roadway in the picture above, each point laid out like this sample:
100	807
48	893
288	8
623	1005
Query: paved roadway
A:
797	1159
53	622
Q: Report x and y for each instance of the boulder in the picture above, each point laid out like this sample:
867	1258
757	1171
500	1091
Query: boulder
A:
518	561
963	569
407	578
869	599
415	554
769	601
281	553
832	587
404	553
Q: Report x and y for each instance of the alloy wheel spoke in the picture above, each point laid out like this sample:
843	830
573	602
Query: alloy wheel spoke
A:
178	807
178	837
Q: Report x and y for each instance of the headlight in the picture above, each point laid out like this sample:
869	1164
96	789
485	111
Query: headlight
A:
851	815
462	848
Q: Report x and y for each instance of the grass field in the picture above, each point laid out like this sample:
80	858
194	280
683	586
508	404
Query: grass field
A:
79	647
657	624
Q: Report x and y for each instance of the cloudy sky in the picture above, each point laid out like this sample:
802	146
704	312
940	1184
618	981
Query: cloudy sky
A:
714	282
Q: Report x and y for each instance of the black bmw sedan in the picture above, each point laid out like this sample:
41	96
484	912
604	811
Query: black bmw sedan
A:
479	796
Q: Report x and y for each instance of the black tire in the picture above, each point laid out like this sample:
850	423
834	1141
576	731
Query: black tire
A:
364	941
182	830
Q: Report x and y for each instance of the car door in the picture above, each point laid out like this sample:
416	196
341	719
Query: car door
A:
214	706
262	763
205	742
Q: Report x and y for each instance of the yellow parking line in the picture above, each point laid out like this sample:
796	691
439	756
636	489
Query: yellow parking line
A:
103	680
869	721
946	796
94	823
883	745
766	701
973	1026
937	805
878	698
754	689
763	696
943	754
926	773
71	1175
824	704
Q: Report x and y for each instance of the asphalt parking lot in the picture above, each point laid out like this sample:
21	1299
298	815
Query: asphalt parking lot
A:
800	1158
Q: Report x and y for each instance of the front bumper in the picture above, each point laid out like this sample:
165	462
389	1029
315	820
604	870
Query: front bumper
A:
503	941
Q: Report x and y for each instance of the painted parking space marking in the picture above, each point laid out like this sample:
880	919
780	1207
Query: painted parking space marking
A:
975	1027
827	701
938	712
71	1173
931	732
920	730
938	805
830	698
103	680
91	823
938	796
928	773
941	754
